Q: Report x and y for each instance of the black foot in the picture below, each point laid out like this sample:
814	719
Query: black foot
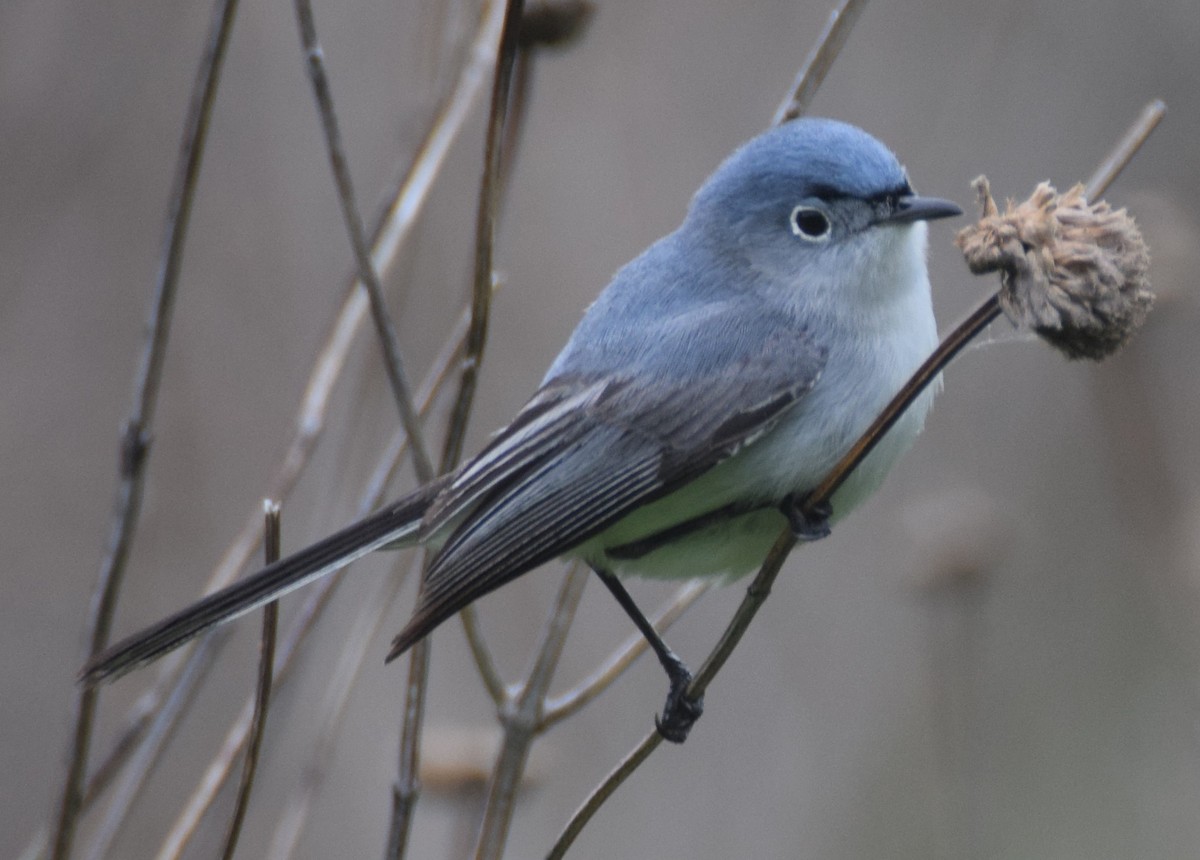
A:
807	526
680	711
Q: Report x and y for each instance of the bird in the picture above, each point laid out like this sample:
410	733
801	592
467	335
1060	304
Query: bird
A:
704	393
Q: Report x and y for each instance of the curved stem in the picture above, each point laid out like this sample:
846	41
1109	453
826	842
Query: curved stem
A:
612	782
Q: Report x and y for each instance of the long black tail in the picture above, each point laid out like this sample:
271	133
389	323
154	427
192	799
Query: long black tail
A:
397	524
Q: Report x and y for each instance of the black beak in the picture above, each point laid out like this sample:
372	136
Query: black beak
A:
910	209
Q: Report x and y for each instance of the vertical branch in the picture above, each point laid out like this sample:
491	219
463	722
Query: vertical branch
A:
485	223
159	732
155	714
522	717
407	201
405	789
288	832
544	25
262	693
136	435
220	768
386	331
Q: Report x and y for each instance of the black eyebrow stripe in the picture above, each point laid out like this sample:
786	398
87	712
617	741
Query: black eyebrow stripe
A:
829	194
904	190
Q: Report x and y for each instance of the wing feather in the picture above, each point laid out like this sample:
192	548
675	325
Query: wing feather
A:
587	451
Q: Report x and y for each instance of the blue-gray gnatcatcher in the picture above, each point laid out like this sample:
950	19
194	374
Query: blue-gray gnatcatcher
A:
711	385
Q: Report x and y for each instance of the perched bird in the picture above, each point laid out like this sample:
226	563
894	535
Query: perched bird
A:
707	390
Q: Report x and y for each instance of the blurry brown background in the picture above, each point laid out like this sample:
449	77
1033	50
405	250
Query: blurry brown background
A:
881	706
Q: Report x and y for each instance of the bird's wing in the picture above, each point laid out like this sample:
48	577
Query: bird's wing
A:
586	451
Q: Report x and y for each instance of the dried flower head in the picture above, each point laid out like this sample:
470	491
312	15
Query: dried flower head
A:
1073	271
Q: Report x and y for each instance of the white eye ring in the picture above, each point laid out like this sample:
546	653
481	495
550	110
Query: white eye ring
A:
810	224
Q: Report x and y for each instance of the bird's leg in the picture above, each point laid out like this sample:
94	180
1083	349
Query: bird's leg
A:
680	710
807	526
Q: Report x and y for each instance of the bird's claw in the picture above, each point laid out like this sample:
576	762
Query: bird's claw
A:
680	711
807	524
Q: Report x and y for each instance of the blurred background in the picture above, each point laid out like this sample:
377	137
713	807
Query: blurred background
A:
998	656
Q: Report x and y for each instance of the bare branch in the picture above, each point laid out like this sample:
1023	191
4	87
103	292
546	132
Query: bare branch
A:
632	761
136	435
159	732
489	675
818	63
395	226
485	234
385	330
405	789
350	662
221	766
1126	148
262	692
521	717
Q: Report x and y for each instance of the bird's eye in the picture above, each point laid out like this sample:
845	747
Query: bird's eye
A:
810	224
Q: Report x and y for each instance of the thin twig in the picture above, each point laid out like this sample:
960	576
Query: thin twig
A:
405	788
521	717
632	761
309	423
485	227
393	230
542	25
159	732
489	675
522	79
220	768
262	692
386	331
978	320
350	662
1126	148
139	719
818	63
136	434
558	708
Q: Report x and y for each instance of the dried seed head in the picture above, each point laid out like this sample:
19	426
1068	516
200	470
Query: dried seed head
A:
1073	271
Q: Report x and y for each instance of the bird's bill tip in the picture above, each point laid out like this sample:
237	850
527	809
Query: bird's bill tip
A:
911	209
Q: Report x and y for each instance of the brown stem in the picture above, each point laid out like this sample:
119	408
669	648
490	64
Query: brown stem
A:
262	692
